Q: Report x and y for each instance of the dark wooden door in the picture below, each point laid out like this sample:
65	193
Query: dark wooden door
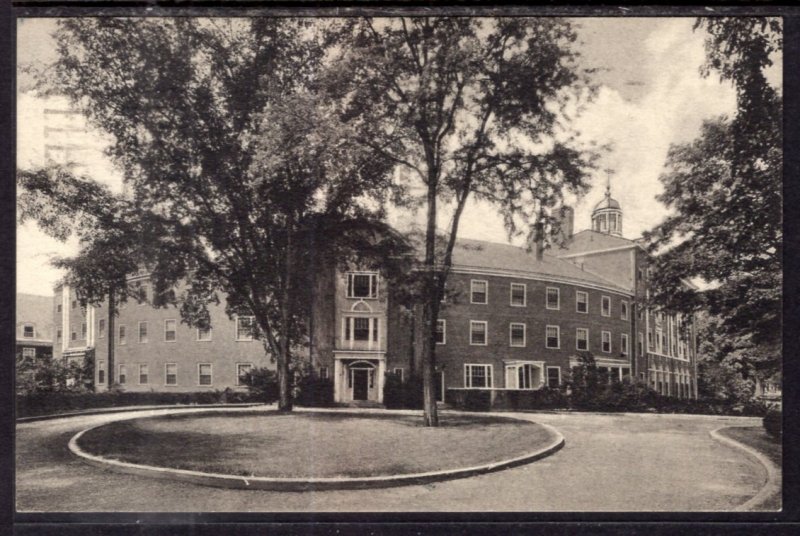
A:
360	384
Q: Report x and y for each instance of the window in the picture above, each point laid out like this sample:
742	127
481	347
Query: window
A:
242	369
523	376
640	274
477	333
101	372
245	328
204	374
361	329
552	336
142	331
477	376
74	303
122	339
323	373
581	339
518	298
58	335
362	285
399	373
479	291
582	302
122	376
58	308
73	335
516	334
605	306
171	374
650	339
29	353
606	335
143	374
553	377
101	329
623	344
83	331
170	330
640	343
553	301
204	334
28	331
441	331
624	308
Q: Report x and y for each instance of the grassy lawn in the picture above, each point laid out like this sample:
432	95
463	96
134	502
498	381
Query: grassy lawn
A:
756	437
314	444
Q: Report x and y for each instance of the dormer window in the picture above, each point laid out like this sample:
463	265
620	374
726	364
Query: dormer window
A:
362	285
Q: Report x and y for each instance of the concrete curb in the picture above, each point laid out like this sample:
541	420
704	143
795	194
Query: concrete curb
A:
122	409
774	479
309	484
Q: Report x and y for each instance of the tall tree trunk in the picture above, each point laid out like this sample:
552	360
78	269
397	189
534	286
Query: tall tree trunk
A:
430	312
111	371
284	387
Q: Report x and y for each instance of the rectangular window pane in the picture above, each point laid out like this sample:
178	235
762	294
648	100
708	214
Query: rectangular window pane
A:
582	302
27	331
142	331
361	329
441	331
517	334
58	335
362	285
552	298
517	294
606	341
479	376
606	306
171	374
479	292
123	375
101	328
624	308
242	369
245	328
204	373
553	377
122	340
477	333
581	339
143	372
203	334
170	330
551	337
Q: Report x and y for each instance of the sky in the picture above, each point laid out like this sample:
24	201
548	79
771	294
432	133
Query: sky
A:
651	95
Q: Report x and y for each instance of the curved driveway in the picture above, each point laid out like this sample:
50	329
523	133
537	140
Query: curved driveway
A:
611	462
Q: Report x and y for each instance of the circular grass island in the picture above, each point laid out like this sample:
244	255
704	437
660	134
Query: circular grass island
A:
313	450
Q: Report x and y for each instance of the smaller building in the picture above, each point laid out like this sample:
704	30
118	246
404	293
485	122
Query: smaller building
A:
34	327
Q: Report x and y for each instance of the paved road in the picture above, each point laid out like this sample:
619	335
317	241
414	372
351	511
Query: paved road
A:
610	463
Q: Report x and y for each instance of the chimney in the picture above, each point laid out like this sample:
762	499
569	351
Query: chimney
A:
567	221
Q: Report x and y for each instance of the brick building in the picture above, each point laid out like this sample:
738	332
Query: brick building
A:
510	320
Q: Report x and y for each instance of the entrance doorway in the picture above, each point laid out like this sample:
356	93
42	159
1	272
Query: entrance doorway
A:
360	383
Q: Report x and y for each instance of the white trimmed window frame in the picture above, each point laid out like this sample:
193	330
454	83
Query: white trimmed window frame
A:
547	375
547	298
485	324
603	336
373	286
558	337
29	353
167	373
398	371
248	338
472	283
210	333
122	335
625	311
143	367
443	323
239	374
524	295
488	375
173	331
146	338
585	302
200	375
624	344
511	327
101	328
32	328
122	374
603	300
585	340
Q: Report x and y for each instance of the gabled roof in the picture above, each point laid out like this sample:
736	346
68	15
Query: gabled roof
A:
588	241
480	255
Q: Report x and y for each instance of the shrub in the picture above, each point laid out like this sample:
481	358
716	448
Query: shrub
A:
773	422
262	384
399	394
544	398
470	399
314	391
